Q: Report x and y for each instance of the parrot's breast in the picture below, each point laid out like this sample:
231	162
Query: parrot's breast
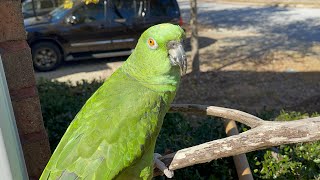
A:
114	134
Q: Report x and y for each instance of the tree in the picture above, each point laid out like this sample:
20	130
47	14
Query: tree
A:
194	37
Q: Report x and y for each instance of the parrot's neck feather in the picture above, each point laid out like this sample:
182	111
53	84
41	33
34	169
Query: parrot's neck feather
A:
152	71
160	83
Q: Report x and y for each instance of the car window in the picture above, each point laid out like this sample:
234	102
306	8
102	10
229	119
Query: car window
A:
38	4
27	6
124	9
58	13
47	4
89	13
163	8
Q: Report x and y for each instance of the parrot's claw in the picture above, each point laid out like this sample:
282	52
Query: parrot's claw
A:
161	166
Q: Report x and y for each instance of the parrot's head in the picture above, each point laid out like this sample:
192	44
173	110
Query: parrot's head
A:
159	54
165	40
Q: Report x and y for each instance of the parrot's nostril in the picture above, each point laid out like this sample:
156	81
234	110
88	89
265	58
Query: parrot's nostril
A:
177	55
174	44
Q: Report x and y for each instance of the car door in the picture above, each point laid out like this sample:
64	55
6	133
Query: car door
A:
120	24
86	30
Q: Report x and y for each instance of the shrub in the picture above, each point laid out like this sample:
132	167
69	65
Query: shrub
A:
177	133
294	161
60	101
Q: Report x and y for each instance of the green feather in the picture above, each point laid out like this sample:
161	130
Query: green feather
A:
114	134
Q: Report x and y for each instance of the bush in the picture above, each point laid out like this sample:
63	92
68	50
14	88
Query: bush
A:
60	101
295	161
177	133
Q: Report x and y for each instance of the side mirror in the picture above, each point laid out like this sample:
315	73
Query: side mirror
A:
72	20
122	20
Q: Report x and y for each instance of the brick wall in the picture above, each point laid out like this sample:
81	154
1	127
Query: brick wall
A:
17	63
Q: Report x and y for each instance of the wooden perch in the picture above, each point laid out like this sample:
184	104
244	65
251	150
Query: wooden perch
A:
263	134
240	161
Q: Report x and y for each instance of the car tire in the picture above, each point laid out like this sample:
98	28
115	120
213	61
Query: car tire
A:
46	56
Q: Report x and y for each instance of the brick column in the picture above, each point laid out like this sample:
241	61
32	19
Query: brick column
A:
17	62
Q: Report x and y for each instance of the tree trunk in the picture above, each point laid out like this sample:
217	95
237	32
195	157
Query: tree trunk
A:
194	38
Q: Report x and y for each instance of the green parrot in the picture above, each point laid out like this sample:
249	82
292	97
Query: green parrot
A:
114	134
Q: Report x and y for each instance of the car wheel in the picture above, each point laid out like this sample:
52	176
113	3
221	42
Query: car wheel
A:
46	56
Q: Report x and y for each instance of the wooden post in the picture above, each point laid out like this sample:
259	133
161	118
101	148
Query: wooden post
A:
240	161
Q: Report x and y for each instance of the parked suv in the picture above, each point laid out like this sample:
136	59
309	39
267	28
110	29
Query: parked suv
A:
107	29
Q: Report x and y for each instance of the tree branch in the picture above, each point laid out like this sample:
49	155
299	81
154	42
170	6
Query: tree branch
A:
263	135
242	117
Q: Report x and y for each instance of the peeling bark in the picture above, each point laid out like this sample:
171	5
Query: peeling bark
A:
263	134
232	114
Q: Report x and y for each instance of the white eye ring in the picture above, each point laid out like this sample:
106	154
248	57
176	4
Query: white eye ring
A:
152	43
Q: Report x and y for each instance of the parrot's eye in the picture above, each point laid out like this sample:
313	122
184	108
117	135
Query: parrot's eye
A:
152	43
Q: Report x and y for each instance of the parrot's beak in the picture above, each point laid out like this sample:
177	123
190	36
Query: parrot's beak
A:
177	55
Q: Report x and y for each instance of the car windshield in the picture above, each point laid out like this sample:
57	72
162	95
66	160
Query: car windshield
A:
58	13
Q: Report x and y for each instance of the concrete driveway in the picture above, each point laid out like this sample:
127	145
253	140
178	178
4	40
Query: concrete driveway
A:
256	34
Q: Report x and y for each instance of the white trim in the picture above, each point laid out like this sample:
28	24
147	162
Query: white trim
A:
102	42
12	166
123	40
91	43
4	161
112	54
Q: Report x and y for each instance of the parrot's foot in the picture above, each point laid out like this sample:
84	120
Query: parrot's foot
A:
161	166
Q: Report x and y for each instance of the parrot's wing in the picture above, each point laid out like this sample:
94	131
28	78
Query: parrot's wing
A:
110	132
